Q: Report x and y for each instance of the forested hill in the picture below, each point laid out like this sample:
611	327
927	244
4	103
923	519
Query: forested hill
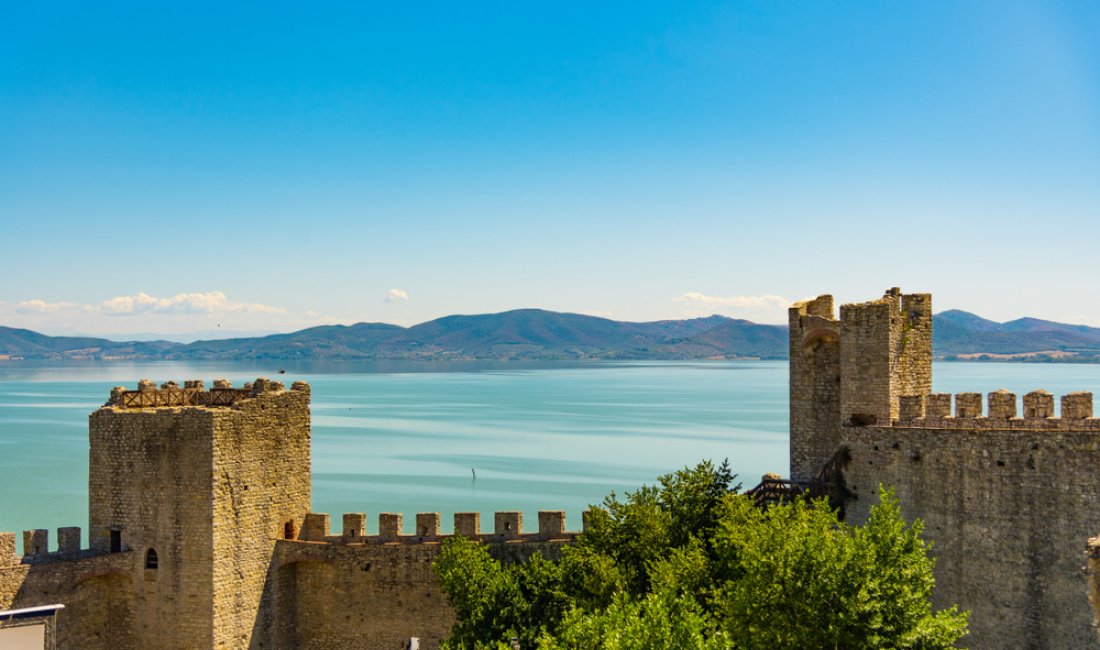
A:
519	334
540	334
959	333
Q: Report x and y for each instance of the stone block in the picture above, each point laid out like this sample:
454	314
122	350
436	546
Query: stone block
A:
968	405
427	525
7	550
1076	406
551	524
36	542
68	540
355	525
389	526
1002	405
315	528
937	405
468	524
1038	404
508	525
911	407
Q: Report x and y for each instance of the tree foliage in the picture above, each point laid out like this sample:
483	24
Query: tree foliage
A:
690	563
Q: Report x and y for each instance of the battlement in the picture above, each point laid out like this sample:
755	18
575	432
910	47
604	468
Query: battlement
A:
893	303
933	411
194	393
507	527
36	547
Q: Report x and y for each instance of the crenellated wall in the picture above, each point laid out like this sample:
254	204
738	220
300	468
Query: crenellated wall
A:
377	591
202	536
1008	487
933	410
95	588
1007	505
1007	494
507	527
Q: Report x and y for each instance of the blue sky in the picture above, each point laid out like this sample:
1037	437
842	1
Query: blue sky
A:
268	166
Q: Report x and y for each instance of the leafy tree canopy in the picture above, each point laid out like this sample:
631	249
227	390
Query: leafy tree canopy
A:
689	563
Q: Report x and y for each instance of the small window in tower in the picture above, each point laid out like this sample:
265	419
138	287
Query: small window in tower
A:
151	559
116	540
288	530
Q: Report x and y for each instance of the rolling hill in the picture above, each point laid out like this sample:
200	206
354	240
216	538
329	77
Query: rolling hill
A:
540	334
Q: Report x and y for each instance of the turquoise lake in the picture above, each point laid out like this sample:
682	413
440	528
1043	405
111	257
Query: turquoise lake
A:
408	437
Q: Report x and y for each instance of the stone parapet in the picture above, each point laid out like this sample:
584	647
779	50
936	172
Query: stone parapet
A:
36	547
507	527
193	393
933	411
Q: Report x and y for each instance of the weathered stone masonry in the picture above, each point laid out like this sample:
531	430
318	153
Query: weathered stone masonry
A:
202	536
1008	497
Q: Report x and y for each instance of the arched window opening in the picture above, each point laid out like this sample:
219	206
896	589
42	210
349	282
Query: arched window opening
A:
151	559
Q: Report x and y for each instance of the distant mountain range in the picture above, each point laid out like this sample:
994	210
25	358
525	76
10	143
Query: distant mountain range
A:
540	334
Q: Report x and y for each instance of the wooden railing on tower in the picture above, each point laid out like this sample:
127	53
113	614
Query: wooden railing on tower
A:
827	483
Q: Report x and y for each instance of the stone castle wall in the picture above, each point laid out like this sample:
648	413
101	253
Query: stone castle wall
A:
95	588
1007	504
1008	494
377	591
202	536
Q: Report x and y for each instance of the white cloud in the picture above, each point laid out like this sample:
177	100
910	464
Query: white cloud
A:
765	308
393	295
142	313
43	307
183	303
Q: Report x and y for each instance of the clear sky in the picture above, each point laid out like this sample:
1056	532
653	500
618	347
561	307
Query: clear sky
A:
175	167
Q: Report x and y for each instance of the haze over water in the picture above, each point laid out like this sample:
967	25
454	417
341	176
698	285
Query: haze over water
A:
409	437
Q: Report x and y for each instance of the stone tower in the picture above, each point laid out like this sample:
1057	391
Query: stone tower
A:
814	385
198	485
853	371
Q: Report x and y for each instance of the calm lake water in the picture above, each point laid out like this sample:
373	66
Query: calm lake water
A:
404	437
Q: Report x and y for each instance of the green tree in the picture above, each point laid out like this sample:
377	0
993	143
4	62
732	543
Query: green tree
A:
495	602
689	563
625	539
805	580
657	621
